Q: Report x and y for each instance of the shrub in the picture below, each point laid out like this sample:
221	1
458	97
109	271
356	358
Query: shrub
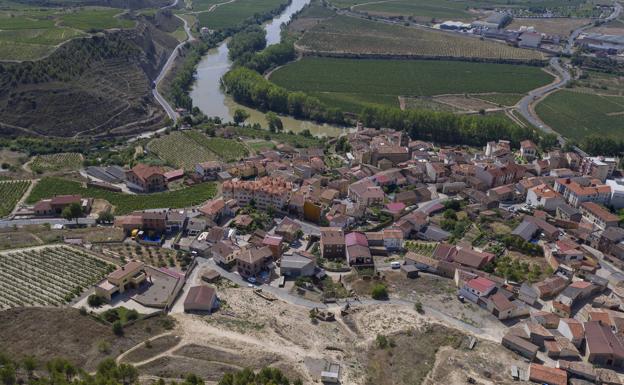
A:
95	300
379	292
118	328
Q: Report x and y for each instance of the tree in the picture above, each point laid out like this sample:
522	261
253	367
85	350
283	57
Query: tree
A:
73	211
379	291
274	122
29	364
118	328
105	217
95	300
240	116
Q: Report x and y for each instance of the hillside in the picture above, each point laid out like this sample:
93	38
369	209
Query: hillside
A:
94	86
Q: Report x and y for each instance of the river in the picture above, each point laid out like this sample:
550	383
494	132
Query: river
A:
212	101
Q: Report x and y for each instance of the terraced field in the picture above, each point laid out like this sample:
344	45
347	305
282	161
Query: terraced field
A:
124	203
230	15
186	149
353	83
30	33
56	162
11	192
49	276
576	115
355	36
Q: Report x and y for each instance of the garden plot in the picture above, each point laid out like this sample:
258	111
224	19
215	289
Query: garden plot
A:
47	276
11	192
56	162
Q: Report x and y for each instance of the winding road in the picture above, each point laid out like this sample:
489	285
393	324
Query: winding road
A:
173	115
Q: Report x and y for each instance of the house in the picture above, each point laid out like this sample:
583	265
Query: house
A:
297	265
196	226
394	209
544	196
253	260
358	253
572	329
546	319
175	220
332	243
128	222
545	375
393	239
528	294
213	209
130	275
602	347
288	229
519	345
530	40
56	205
155	220
494	175
274	243
502	308
528	150
564	302
551	286
224	252
146	178
561	349
598	215
201	299
209	170
366	195
472	258
476	288
568	213
408	197
537	333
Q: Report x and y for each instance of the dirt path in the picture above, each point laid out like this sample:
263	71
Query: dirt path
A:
155	357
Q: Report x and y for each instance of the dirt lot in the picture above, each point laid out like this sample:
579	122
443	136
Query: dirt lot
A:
48	333
34	235
464	103
561	27
435	292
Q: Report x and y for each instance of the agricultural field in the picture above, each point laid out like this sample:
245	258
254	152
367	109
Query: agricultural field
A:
154	256
349	35
56	162
507	99
49	276
186	149
230	15
30	33
124	203
351	84
11	192
576	114
594	82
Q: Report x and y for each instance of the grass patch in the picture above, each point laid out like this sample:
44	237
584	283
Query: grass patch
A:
352	83
125	203
279	137
503	99
342	34
576	115
226	149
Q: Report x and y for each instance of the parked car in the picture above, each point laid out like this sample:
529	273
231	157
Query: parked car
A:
395	265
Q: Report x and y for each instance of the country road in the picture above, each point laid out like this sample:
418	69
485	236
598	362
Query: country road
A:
173	115
526	104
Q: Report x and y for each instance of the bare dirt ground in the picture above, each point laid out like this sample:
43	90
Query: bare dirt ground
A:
560	27
465	103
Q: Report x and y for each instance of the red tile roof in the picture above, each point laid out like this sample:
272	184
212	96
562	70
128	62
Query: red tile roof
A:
481	284
545	375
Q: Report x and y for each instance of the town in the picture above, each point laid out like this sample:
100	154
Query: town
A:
524	239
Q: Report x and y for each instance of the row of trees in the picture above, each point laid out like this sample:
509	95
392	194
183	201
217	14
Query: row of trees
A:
272	56
62	372
246	43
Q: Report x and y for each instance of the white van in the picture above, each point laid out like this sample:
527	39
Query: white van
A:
395	265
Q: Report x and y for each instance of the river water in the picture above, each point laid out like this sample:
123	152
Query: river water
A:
208	96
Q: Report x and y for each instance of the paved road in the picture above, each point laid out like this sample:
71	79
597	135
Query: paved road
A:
525	106
617	11
173	115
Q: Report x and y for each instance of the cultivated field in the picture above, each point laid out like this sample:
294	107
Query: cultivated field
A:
352	83
124	203
230	15
56	162
576	115
348	35
47	276
11	192
30	33
594	82
186	149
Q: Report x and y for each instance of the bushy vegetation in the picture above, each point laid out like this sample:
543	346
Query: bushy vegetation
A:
56	162
379	291
272	56
245	43
124	203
